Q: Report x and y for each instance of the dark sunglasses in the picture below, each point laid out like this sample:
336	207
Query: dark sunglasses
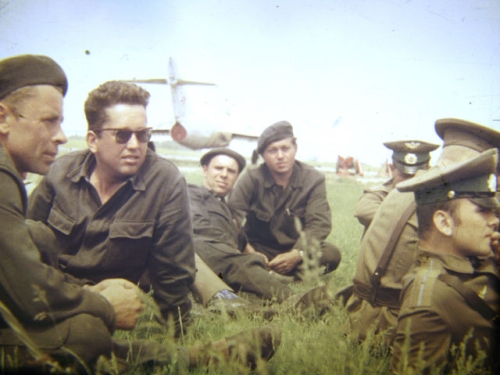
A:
122	136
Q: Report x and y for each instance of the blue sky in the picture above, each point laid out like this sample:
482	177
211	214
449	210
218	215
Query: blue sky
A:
348	74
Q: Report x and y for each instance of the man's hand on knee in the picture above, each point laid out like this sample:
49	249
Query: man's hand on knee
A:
284	263
126	302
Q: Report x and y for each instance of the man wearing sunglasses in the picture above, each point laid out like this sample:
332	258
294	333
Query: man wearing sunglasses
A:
118	209
48	321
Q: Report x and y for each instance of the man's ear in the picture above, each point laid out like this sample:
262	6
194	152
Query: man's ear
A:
92	141
4	124
443	222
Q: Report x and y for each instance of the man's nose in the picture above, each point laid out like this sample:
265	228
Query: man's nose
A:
60	137
133	142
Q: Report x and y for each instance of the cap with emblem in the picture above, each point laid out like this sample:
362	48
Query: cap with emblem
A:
205	159
29	70
410	156
474	179
466	133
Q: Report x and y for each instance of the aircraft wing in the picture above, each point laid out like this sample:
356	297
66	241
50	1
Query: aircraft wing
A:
247	137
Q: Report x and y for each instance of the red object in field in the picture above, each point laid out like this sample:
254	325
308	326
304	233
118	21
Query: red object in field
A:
348	166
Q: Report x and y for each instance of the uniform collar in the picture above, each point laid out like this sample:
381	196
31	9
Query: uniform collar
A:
295	178
8	163
458	264
84	170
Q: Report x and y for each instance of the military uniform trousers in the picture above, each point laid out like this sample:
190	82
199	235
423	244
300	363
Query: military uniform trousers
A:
243	272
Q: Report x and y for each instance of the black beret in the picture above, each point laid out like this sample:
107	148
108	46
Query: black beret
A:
28	70
205	159
276	132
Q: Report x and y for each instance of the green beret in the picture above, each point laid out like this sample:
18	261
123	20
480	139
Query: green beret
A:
206	158
29	70
465	133
474	179
410	156
276	132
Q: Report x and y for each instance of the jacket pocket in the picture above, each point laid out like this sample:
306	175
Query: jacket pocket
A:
60	222
261	215
131	229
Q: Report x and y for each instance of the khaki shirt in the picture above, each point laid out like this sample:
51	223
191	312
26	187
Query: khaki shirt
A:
370	201
270	210
35	293
363	316
435	317
145	225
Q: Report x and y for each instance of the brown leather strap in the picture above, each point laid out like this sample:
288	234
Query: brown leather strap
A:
385	296
476	302
389	251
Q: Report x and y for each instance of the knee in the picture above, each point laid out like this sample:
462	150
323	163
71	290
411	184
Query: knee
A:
331	256
89	339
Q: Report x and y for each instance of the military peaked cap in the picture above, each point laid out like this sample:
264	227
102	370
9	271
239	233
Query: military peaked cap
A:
29	70
207	157
410	156
474	179
465	133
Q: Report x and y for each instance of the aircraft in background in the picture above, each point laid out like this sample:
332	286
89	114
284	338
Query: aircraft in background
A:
182	131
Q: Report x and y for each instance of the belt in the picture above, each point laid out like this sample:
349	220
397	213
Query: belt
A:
383	297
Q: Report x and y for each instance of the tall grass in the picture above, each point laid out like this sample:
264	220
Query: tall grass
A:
311	345
316	345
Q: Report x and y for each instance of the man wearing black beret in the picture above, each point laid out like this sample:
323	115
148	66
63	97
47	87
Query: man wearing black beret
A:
276	196
47	304
47	317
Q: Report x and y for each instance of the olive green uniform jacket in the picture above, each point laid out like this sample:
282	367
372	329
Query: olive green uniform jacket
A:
370	201
270	211
380	314
436	317
216	239
145	225
36	294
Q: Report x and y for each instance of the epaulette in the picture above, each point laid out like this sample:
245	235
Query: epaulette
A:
424	282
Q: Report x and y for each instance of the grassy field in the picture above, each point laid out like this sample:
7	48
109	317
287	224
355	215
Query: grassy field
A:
312	345
309	346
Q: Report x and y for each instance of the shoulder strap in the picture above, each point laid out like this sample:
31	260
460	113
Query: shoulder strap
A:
389	250
472	298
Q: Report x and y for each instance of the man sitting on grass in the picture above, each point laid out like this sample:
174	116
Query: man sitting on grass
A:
47	318
283	206
450	300
219	241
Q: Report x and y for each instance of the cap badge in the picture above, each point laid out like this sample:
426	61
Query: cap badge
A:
410	159
412	145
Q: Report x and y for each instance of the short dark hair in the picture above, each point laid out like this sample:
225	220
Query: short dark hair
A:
425	213
109	94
